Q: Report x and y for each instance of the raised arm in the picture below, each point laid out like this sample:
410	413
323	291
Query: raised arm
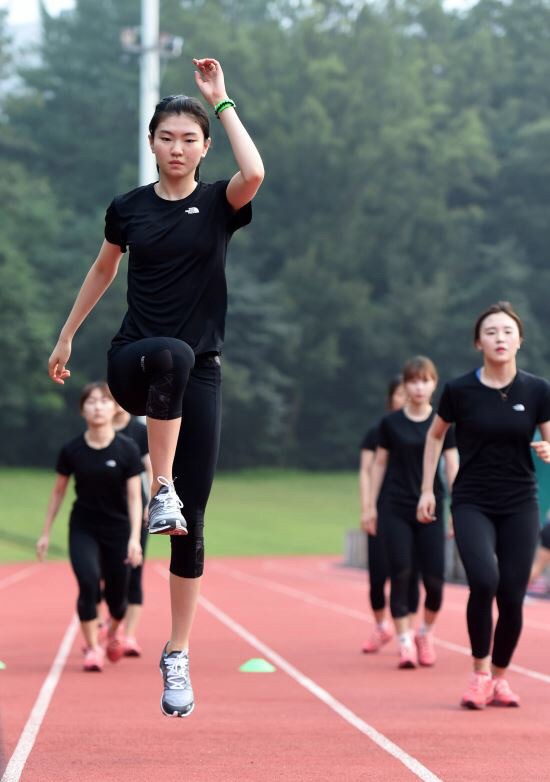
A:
378	472
98	279
54	503
245	183
365	467
432	451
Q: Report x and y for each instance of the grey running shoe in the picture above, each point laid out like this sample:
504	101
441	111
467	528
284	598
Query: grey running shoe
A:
177	698
165	516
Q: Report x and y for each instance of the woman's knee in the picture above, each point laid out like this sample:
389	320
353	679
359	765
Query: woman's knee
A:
167	369
399	594
434	592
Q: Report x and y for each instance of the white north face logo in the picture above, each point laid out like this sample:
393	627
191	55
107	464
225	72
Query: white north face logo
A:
192	210
520	408
110	463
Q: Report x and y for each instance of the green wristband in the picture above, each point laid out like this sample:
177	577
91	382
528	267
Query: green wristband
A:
222	105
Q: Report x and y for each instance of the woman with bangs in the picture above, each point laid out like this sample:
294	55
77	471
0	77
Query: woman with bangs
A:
398	465
496	410
164	362
105	521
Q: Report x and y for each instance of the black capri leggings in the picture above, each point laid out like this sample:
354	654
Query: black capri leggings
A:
199	389
96	550
497	550
408	541
545	536
379	572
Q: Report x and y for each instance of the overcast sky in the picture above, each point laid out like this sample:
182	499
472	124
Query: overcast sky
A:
21	11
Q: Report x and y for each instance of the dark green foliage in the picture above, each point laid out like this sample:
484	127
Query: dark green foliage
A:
408	169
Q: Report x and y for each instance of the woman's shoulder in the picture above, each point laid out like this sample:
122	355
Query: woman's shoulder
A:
125	201
462	381
534	381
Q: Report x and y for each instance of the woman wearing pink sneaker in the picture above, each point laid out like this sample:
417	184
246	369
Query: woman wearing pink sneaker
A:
398	461
105	520
378	567
496	410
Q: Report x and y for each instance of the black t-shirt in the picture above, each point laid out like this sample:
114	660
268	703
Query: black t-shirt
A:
404	439
176	267
100	477
493	434
370	440
137	432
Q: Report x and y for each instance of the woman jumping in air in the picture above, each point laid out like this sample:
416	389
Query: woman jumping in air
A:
496	410
165	360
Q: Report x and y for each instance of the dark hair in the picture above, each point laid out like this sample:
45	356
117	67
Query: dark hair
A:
181	104
89	387
419	366
500	306
393	385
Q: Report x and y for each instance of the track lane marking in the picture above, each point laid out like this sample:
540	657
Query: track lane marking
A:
415	766
19	575
340	609
16	763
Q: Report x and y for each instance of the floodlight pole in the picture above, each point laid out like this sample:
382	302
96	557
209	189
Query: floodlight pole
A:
149	86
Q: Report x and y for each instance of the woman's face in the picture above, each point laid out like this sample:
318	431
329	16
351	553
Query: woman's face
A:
499	338
419	389
179	145
398	398
98	408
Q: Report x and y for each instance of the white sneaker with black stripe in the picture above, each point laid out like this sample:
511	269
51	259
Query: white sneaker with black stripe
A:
165	516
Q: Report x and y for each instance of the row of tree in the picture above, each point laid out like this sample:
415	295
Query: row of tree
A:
407	151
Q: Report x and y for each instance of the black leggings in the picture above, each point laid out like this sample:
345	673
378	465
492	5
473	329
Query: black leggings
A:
95	551
408	541
199	438
135	587
379	572
497	550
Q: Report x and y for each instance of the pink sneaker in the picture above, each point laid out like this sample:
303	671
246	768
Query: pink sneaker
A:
479	692
502	694
94	658
425	648
407	656
115	649
131	647
379	637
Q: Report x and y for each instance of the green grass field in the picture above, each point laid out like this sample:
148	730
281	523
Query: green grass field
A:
250	513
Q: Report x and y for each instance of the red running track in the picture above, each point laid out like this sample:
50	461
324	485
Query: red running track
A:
328	712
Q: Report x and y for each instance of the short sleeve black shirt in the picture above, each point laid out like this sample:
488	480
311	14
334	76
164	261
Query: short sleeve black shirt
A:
176	266
404	439
137	432
370	440
100	477
493	435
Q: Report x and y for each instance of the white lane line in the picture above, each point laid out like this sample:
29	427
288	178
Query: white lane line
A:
16	764
19	575
340	609
323	695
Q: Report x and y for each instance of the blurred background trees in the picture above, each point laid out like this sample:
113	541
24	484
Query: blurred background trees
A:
407	151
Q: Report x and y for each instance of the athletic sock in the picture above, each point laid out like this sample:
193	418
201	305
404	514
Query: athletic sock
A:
424	629
405	639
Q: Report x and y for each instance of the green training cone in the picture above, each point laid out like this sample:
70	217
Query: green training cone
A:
257	665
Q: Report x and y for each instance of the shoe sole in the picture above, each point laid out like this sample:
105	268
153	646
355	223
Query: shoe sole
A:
176	713
168	531
501	705
406	666
92	669
132	653
472	705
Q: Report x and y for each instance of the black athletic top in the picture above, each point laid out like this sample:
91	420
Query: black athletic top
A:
100	477
137	432
370	440
176	267
493	434
404	439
